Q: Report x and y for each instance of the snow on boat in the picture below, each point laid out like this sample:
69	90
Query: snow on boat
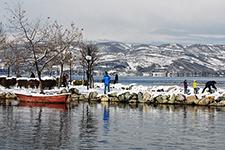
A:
41	98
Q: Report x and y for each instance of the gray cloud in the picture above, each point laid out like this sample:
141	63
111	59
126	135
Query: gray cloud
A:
196	21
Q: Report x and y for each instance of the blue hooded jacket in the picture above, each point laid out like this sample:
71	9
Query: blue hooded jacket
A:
106	79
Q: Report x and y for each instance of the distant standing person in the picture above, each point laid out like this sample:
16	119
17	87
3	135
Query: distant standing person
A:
116	79
64	80
185	87
208	85
195	86
32	75
106	80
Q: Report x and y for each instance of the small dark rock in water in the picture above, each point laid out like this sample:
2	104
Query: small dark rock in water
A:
133	98
104	98
121	98
93	96
113	99
127	96
221	98
140	96
158	99
221	103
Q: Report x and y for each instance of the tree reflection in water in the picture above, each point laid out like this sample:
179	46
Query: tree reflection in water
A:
49	127
88	129
111	126
37	129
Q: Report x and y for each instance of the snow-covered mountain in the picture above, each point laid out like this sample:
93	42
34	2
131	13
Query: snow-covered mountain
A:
176	59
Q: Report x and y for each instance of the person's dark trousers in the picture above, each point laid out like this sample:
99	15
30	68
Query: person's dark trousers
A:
209	89
106	88
204	89
213	86
195	91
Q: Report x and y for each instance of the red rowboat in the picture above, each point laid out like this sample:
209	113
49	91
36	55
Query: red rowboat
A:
59	98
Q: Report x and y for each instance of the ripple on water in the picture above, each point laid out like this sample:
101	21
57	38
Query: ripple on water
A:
100	126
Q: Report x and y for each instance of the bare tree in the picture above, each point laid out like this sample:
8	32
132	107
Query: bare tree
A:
64	39
2	41
11	54
89	58
2	36
14	55
34	36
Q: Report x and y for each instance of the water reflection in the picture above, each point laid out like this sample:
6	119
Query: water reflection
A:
106	119
88	128
35	126
112	126
62	107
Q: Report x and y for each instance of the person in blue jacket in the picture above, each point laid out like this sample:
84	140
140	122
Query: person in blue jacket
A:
106	80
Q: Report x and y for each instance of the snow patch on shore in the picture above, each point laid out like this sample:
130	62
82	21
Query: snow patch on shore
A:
119	89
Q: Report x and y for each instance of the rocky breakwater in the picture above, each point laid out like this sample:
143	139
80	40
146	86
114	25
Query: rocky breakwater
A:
8	98
172	95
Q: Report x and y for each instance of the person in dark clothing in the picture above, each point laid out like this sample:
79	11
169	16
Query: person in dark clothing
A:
208	85
106	80
32	75
64	80
116	79
185	87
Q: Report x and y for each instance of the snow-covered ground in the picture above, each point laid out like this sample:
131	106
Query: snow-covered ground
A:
154	90
119	89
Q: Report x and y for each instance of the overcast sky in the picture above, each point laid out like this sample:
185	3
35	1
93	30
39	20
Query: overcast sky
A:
140	21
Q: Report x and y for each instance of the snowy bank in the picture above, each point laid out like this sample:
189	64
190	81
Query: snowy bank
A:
130	94
148	94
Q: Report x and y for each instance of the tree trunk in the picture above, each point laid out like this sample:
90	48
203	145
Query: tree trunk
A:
40	83
17	72
92	78
70	71
87	72
61	75
9	71
88	76
39	77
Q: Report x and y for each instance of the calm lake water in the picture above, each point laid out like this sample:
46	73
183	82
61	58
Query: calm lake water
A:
103	126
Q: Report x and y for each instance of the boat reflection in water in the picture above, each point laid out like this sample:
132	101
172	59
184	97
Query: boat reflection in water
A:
111	126
47	105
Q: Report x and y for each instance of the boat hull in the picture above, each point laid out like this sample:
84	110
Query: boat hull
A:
61	98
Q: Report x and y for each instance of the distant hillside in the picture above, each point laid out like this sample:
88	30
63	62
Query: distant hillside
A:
174	59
